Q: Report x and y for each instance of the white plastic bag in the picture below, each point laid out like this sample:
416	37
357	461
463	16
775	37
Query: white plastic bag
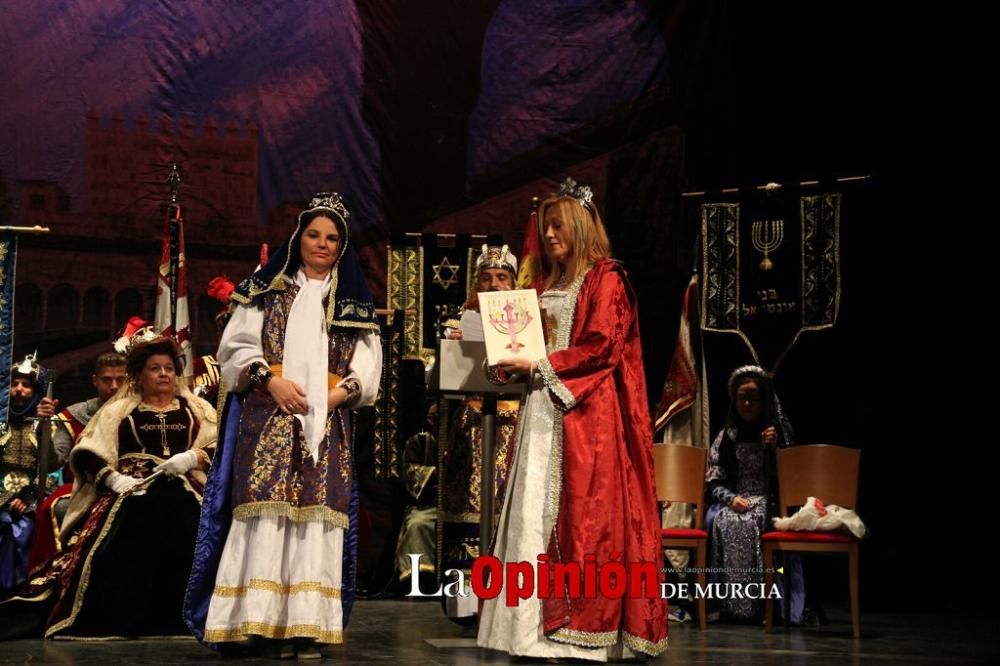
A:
814	516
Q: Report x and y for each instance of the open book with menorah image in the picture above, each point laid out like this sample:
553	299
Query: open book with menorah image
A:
512	325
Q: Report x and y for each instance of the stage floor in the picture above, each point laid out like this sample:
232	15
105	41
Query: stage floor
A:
407	632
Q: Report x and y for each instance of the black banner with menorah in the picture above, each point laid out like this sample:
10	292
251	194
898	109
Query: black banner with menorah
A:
771	268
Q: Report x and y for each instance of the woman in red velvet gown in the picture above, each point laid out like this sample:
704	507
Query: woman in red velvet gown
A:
581	483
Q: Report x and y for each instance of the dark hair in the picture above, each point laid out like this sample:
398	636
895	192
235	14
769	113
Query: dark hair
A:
295	260
109	360
140	353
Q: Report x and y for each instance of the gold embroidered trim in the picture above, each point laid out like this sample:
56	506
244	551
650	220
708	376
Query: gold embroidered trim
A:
276	588
247	629
105	639
304	514
282	280
331	295
644	646
56	531
59	419
81	588
371	326
425	567
404	291
587	639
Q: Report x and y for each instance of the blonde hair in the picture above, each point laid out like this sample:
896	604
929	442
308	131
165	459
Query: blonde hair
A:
589	240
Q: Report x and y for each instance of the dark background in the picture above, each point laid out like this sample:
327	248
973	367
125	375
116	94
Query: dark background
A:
743	94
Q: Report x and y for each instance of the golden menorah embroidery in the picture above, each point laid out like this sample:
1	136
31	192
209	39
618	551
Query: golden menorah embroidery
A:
767	236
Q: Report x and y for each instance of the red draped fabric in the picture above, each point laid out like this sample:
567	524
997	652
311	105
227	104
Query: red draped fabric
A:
607	501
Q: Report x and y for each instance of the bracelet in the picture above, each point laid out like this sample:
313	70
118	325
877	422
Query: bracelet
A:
353	388
259	374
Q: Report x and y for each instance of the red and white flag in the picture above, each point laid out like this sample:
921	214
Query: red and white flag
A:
172	316
682	414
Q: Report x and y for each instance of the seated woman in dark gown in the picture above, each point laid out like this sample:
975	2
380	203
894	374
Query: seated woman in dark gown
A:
742	481
130	529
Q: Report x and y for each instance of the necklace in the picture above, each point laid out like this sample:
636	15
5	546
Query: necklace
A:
162	426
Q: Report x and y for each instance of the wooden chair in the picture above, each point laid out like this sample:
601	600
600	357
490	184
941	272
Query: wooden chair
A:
680	477
830	474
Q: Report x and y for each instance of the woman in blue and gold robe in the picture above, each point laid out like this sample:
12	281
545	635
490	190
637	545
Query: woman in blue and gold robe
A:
277	544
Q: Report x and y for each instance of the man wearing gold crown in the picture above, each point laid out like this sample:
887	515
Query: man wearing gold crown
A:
460	457
18	471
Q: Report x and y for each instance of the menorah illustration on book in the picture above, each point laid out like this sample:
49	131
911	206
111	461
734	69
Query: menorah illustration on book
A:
512	325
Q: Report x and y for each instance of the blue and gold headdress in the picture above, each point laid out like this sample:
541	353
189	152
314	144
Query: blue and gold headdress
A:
350	304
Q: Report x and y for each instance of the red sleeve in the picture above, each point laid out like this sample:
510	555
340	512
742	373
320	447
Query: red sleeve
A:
573	373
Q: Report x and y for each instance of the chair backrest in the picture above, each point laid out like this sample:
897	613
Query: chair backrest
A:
827	472
680	475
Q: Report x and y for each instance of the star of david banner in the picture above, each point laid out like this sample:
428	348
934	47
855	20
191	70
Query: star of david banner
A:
771	268
447	266
431	275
